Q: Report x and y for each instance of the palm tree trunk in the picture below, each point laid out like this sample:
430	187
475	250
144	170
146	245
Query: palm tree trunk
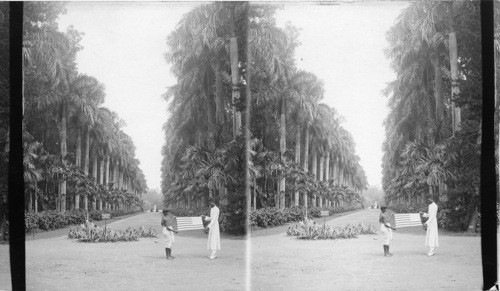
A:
36	196
255	194
438	90
306	158
297	161
235	77
282	150
338	169
86	162
30	205
106	172
63	153
321	172
327	166
78	160
327	171
120	176
116	167
453	51
101	178
94	175
219	94
321	167
314	168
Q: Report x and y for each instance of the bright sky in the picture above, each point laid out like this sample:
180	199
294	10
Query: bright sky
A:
343	45
124	44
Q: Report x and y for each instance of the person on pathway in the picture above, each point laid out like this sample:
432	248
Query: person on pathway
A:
213	242
431	237
386	229
168	233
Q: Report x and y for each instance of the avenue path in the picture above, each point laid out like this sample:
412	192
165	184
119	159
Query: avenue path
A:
63	264
281	262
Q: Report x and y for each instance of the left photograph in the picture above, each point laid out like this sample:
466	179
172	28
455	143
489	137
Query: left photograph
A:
134	155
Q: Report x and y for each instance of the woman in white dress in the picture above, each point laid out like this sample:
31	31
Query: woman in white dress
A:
431	237
213	242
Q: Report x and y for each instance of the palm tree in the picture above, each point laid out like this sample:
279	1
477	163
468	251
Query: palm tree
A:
90	95
43	46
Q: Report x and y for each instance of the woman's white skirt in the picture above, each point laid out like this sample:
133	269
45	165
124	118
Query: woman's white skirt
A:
169	237
386	234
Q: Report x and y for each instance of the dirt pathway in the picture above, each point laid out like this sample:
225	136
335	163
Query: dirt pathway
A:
61	263
280	262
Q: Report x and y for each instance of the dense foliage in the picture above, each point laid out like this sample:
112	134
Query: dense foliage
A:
222	55
433	130
76	156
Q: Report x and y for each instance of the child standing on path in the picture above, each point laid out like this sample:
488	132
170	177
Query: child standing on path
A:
386	229
168	233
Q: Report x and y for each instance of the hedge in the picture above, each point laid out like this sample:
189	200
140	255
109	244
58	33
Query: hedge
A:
270	216
51	219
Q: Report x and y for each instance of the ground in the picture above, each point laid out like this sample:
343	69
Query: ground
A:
281	262
278	262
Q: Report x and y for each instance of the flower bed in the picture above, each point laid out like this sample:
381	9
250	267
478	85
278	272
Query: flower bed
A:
88	232
309	229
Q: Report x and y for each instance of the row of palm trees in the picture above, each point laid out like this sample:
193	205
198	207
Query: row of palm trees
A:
433	127
72	142
222	54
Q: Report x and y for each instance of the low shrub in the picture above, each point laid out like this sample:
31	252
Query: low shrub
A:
308	229
30	221
232	218
89	232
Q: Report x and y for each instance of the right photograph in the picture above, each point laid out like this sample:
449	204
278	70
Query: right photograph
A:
363	130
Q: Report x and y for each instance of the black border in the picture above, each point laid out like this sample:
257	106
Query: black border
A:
488	172
16	184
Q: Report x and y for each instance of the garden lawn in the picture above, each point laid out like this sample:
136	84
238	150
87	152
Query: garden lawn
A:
60	263
281	262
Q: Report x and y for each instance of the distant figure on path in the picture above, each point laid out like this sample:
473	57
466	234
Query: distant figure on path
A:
168	233
213	242
386	229
431	237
